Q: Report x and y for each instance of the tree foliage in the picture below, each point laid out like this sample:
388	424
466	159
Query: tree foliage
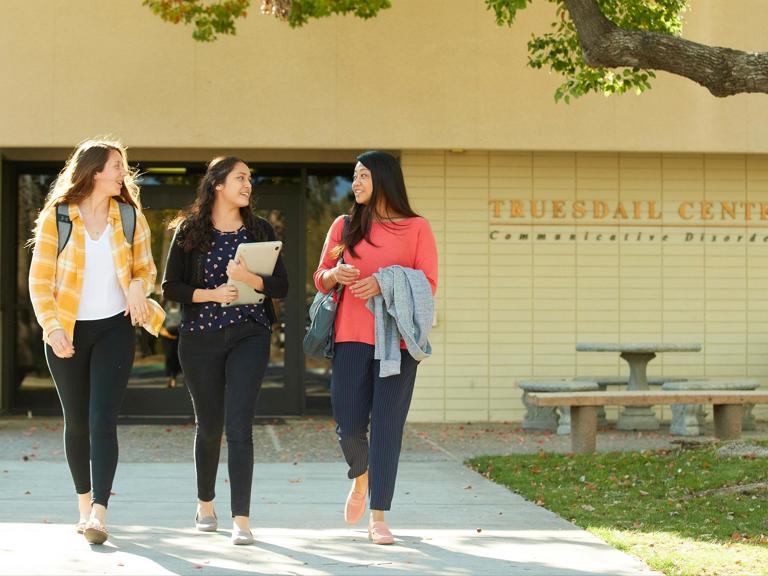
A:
601	46
214	17
560	51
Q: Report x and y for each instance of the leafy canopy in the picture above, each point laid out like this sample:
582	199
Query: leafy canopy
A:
558	50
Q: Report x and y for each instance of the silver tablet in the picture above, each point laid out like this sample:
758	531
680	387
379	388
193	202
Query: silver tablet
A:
260	258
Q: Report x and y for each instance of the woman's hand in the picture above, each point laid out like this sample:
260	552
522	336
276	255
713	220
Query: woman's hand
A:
224	294
60	343
366	288
345	274
137	303
236	270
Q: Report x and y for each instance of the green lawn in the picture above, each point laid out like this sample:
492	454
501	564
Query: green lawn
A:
650	504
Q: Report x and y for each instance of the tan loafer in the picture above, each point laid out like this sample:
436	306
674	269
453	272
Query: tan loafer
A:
95	532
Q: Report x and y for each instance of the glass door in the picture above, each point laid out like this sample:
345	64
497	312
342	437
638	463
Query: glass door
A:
282	392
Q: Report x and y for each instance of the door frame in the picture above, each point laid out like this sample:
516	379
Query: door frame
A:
288	400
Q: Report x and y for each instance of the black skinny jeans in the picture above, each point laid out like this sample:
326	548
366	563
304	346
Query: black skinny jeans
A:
91	385
223	370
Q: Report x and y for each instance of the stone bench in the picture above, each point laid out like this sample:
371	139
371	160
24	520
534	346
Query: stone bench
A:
688	419
604	381
728	408
546	418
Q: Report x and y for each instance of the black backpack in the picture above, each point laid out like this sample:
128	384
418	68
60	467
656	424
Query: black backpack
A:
64	224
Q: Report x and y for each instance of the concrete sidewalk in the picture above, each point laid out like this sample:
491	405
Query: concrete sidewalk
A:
446	518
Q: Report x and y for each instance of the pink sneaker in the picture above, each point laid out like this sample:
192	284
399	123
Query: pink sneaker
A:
354	508
378	533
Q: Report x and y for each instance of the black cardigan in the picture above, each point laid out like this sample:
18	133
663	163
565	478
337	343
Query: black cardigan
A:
184	274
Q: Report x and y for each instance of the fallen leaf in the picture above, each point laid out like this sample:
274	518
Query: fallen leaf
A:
643	493
468	487
588	507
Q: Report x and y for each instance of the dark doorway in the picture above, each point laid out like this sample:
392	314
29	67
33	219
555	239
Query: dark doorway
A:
299	201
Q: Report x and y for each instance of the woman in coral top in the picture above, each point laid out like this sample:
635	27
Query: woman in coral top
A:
382	231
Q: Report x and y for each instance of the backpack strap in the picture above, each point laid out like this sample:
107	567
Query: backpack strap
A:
63	226
128	218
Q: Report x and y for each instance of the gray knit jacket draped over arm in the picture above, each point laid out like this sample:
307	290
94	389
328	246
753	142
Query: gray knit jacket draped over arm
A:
404	310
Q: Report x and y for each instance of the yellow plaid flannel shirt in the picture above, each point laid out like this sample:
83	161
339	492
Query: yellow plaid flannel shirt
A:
55	283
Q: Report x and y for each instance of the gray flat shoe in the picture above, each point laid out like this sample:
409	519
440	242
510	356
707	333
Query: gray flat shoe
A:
241	537
206	523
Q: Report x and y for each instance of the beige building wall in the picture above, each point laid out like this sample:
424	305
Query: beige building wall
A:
511	308
422	75
478	130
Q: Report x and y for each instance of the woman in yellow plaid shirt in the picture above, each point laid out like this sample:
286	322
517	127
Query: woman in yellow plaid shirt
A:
89	289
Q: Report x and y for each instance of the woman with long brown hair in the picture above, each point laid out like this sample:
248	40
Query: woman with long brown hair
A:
90	275
224	350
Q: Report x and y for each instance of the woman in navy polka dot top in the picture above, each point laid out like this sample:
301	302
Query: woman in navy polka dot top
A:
213	316
224	351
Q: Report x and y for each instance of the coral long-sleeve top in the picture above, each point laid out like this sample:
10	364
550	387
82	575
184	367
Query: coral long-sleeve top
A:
408	243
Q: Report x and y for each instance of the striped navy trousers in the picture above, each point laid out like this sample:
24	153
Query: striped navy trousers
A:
361	397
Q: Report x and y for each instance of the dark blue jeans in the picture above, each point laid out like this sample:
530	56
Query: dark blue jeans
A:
360	396
91	386
223	370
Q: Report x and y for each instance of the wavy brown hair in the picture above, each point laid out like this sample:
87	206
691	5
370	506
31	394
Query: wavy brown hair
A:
196	223
388	188
75	181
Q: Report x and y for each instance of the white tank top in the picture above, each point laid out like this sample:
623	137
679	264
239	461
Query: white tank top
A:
102	296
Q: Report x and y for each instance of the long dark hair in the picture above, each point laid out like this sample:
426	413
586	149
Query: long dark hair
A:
389	187
197	223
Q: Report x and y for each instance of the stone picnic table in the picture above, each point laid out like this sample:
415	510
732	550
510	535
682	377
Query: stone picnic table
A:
637	356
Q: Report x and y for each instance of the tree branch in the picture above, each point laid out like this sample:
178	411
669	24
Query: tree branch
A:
722	71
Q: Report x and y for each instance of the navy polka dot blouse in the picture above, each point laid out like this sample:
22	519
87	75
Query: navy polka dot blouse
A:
212	316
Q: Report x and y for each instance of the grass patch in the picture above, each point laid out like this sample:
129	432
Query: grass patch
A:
650	504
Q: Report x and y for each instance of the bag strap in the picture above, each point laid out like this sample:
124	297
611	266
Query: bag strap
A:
128	218
64	224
